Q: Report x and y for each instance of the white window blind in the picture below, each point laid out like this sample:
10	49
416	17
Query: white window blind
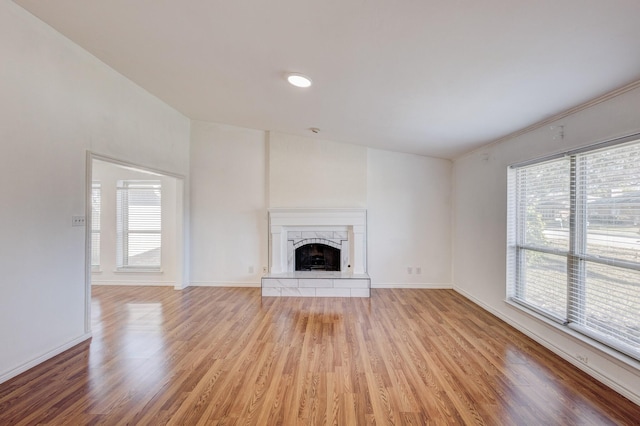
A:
575	242
543	236
139	224
95	224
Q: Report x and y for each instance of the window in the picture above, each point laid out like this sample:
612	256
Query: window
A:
95	225
574	242
139	224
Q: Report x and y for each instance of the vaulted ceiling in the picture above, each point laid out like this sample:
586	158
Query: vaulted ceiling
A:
430	77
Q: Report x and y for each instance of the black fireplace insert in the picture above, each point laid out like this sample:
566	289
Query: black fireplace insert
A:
317	257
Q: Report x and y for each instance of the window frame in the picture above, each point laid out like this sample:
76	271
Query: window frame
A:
577	255
123	225
96	193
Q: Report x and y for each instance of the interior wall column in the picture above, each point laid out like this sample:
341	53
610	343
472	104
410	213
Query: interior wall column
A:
278	249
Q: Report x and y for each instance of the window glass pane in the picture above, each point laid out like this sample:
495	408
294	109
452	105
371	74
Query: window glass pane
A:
95	223
612	303
543	283
543	199
95	249
144	218
612	186
143	249
139	223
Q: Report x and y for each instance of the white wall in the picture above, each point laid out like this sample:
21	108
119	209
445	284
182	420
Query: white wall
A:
236	173
228	205
407	198
108	175
409	216
315	173
480	217
58	102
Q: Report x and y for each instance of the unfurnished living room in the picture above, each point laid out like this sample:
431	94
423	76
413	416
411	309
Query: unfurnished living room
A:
320	212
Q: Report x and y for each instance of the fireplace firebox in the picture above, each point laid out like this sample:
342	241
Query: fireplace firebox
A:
317	257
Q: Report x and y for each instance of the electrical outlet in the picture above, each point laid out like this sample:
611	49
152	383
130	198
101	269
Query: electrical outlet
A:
409	270
264	269
251	269
418	270
77	220
583	359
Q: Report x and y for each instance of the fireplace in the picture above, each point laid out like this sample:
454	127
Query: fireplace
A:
343	230
317	253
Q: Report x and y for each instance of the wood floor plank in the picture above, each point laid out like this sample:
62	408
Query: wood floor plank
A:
227	356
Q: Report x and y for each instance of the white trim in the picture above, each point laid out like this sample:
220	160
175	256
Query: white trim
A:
88	188
134	282
139	270
57	351
128	164
596	374
224	284
182	228
433	286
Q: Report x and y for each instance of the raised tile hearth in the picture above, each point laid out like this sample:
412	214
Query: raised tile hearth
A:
316	284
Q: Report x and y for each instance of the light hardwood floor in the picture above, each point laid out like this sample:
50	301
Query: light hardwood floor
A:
228	356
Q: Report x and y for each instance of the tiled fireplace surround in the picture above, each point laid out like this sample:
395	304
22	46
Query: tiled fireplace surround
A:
340	228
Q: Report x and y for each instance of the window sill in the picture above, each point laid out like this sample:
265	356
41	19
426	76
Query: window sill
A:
138	271
611	354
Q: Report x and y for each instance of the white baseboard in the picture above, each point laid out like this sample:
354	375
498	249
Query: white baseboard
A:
223	284
26	366
433	286
134	283
601	377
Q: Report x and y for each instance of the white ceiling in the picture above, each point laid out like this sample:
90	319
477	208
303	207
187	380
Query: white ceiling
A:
431	77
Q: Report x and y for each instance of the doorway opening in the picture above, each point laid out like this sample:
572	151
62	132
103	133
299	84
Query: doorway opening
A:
134	227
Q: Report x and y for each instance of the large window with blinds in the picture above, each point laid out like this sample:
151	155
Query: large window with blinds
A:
139	224
574	242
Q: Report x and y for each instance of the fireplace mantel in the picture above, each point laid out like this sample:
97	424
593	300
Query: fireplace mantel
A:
284	222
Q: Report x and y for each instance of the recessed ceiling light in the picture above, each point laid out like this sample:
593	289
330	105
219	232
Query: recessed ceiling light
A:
298	80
